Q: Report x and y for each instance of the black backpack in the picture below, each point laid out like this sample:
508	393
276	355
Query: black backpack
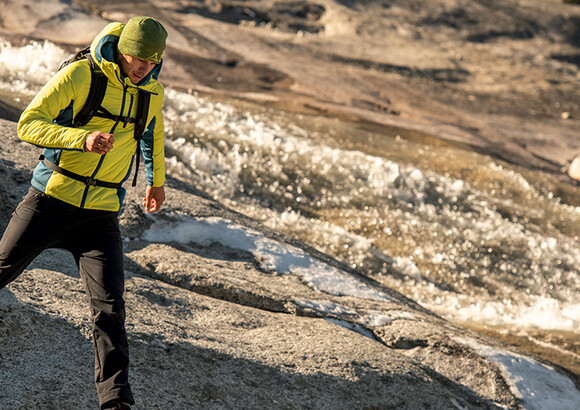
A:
92	108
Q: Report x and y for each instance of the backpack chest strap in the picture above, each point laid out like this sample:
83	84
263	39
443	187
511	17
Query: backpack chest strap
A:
103	113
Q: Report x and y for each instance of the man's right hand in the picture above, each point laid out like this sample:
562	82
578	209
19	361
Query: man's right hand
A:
99	142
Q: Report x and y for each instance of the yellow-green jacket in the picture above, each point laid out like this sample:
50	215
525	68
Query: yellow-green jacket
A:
47	120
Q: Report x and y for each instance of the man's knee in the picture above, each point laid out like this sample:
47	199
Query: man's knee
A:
109	306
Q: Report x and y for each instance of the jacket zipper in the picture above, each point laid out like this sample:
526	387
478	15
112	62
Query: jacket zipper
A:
101	160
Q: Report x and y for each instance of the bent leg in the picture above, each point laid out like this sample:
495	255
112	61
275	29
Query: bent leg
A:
99	254
30	231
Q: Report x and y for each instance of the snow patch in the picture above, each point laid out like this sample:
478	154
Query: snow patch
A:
270	254
539	386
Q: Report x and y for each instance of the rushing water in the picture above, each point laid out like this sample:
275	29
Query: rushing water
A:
477	241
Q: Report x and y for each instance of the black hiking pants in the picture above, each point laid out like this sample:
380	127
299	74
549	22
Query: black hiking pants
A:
93	237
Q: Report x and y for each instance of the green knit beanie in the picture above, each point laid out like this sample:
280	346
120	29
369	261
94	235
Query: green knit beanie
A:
143	37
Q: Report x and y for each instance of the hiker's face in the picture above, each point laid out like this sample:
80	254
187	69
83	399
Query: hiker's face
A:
135	68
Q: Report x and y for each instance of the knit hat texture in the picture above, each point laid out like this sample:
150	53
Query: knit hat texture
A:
143	37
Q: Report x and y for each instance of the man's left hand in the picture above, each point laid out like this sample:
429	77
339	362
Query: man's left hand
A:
154	197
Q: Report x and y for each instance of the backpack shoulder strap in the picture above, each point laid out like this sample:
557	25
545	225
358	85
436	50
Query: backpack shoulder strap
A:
142	114
76	57
96	94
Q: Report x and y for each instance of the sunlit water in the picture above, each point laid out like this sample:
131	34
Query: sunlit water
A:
477	241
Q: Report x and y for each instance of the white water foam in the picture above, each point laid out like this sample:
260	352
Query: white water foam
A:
25	69
251	144
532	312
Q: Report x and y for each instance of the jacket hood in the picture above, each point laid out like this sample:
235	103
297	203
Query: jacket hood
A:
104	51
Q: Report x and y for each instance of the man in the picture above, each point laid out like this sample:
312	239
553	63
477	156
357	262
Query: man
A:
65	210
